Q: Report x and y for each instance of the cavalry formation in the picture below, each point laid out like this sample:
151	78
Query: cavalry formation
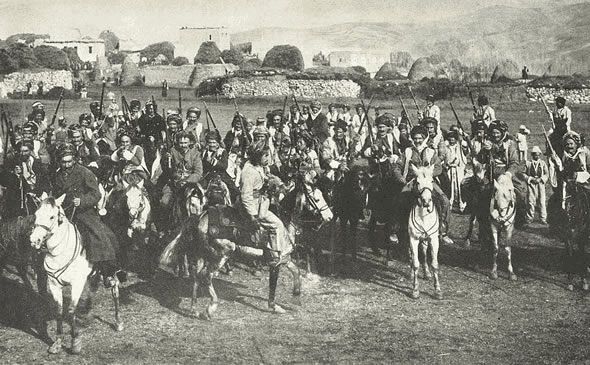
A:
86	195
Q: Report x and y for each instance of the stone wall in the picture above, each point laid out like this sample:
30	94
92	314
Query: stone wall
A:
573	96
178	76
17	81
303	88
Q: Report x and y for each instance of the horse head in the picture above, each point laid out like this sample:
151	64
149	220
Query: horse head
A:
195	198
424	185
503	199
139	207
479	170
48	217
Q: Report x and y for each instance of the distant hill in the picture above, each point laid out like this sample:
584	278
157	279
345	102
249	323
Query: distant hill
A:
538	37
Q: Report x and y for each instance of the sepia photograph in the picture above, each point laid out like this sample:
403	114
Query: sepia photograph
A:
294	182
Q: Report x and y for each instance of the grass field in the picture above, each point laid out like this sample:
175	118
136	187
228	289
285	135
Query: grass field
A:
362	315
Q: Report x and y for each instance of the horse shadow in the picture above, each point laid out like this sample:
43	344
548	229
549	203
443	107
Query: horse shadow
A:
170	291
24	309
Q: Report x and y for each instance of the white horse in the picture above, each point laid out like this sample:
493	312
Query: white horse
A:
423	229
66	264
503	212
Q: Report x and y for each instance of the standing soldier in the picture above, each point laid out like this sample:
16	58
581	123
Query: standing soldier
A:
486	112
82	195
164	89
431	110
152	131
536	175
562	115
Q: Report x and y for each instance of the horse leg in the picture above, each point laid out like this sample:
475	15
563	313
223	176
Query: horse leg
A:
212	307
196	272
55	290
22	272
296	274
272	288
372	226
508	249
115	295
352	237
77	289
426	266
569	262
415	267
434	245
494	272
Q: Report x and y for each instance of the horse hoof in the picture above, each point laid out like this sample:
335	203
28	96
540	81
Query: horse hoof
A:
204	316
119	327
438	295
570	287
277	309
55	348
427	275
493	275
76	345
467	242
513	277
415	294
389	263
585	287
296	292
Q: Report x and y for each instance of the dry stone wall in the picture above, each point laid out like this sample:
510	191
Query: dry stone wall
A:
302	88
17	81
573	96
179	76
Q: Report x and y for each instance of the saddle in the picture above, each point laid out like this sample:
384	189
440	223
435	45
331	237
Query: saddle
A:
226	222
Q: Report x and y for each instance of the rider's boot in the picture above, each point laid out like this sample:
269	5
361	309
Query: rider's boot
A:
272	288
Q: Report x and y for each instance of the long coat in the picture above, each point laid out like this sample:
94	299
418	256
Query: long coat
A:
80	182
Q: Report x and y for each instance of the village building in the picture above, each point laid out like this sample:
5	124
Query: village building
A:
190	39
89	50
371	61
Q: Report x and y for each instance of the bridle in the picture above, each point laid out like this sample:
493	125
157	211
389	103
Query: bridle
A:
505	215
49	229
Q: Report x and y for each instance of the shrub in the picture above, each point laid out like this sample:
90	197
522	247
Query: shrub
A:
23	55
232	56
52	57
75	61
130	75
180	61
284	56
27	37
7	63
116	58
55	92
251	64
210	86
208	53
153	50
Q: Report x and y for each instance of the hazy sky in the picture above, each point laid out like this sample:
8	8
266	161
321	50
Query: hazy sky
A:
154	20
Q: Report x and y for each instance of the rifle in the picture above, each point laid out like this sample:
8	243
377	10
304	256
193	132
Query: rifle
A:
179	102
548	141
366	117
405	112
414	98
6	132
460	125
104	85
154	104
549	114
475	111
61	96
282	125
245	134
209	117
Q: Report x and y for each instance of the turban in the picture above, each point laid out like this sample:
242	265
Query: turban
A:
419	130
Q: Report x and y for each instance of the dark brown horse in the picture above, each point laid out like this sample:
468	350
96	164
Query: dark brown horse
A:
15	248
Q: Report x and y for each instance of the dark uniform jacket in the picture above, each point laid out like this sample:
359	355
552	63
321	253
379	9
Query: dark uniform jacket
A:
504	157
319	127
79	182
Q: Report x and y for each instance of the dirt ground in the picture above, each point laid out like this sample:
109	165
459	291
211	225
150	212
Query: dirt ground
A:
361	315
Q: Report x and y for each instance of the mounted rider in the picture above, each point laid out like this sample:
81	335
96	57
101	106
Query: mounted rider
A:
499	152
572	167
215	160
255	205
82	195
336	152
194	126
421	154
130	158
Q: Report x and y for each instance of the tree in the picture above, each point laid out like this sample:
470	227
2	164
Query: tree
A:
7	63
130	75
111	41
232	56
251	64
208	53
180	61
23	55
51	57
284	56
153	50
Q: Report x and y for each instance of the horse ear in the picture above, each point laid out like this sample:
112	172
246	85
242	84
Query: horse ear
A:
414	169
44	196
59	201
140	183
497	185
430	170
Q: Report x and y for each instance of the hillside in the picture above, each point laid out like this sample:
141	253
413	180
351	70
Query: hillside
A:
537	37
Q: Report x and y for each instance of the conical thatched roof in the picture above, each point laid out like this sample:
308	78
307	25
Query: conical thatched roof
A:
389	72
130	74
508	70
428	67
